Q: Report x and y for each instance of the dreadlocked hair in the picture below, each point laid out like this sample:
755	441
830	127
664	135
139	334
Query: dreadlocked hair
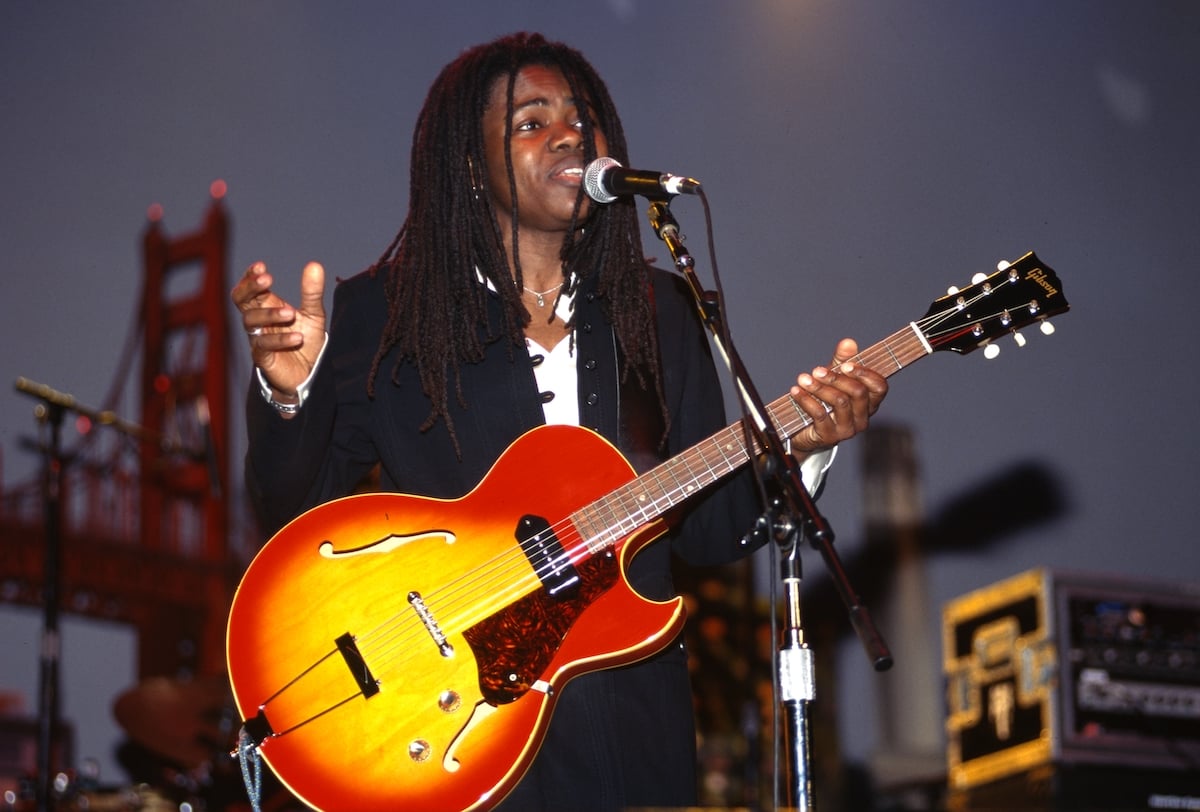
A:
437	308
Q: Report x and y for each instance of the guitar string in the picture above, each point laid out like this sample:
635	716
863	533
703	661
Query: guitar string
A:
380	650
444	606
453	608
884	351
462	594
613	533
512	561
502	566
501	570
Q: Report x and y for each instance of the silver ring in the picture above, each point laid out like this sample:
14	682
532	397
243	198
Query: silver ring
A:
257	331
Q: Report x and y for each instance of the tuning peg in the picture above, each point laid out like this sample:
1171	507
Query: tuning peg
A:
979	277
1002	264
1018	338
990	350
1047	328
953	289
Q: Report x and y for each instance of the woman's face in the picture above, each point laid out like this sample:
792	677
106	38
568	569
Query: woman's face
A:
547	150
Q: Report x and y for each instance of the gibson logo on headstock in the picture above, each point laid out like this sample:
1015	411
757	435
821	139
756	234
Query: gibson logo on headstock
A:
1038	276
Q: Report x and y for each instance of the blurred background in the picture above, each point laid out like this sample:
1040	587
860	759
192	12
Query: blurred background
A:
859	157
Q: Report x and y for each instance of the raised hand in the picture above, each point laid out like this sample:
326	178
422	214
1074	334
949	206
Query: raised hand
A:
285	340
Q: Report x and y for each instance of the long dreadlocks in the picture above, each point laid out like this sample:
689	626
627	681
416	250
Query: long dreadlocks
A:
437	314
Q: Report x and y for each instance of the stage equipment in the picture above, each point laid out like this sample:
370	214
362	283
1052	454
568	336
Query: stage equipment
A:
1074	688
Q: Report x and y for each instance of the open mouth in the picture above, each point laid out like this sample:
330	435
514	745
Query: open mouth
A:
571	171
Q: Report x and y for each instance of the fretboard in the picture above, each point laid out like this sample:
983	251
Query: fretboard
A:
613	517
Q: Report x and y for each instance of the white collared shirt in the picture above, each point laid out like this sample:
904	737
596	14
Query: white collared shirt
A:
557	377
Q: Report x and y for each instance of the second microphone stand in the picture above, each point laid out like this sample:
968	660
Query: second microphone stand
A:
52	410
789	518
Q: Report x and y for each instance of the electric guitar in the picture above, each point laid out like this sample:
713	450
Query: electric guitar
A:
393	652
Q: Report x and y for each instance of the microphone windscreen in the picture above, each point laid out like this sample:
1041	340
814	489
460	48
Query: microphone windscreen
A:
593	179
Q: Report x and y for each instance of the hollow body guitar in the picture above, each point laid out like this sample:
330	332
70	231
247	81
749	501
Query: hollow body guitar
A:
389	651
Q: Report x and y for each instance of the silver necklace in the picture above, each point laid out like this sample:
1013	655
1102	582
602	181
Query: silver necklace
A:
541	297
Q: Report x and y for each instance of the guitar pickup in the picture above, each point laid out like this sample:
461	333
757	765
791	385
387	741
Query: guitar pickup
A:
547	557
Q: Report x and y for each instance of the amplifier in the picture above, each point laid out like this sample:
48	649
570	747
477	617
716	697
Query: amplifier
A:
1049	669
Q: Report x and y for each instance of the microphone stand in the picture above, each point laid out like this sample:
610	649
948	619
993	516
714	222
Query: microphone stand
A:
51	648
54	405
790	517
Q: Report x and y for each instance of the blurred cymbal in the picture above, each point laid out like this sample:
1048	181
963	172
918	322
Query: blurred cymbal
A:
187	721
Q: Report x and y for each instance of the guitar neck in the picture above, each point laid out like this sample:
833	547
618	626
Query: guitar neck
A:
610	519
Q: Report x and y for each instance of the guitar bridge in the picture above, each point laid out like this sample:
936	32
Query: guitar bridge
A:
431	625
358	666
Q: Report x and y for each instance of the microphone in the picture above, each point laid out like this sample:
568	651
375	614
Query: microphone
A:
605	180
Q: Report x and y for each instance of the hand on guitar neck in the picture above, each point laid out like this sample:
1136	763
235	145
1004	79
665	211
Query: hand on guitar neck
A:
839	398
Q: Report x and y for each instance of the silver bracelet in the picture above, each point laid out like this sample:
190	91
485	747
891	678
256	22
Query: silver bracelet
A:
284	408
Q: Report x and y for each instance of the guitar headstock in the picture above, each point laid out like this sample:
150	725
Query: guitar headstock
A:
1025	292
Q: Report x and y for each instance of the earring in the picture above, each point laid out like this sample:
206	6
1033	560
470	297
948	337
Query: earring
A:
474	182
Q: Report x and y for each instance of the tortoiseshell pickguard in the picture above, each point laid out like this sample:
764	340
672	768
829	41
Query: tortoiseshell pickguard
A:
514	647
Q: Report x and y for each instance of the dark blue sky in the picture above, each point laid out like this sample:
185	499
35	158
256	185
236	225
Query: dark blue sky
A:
859	157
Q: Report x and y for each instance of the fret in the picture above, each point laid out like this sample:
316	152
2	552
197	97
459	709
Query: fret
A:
732	452
687	483
589	529
887	345
669	467
802	418
627	501
640	499
655	495
630	509
605	517
710	455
